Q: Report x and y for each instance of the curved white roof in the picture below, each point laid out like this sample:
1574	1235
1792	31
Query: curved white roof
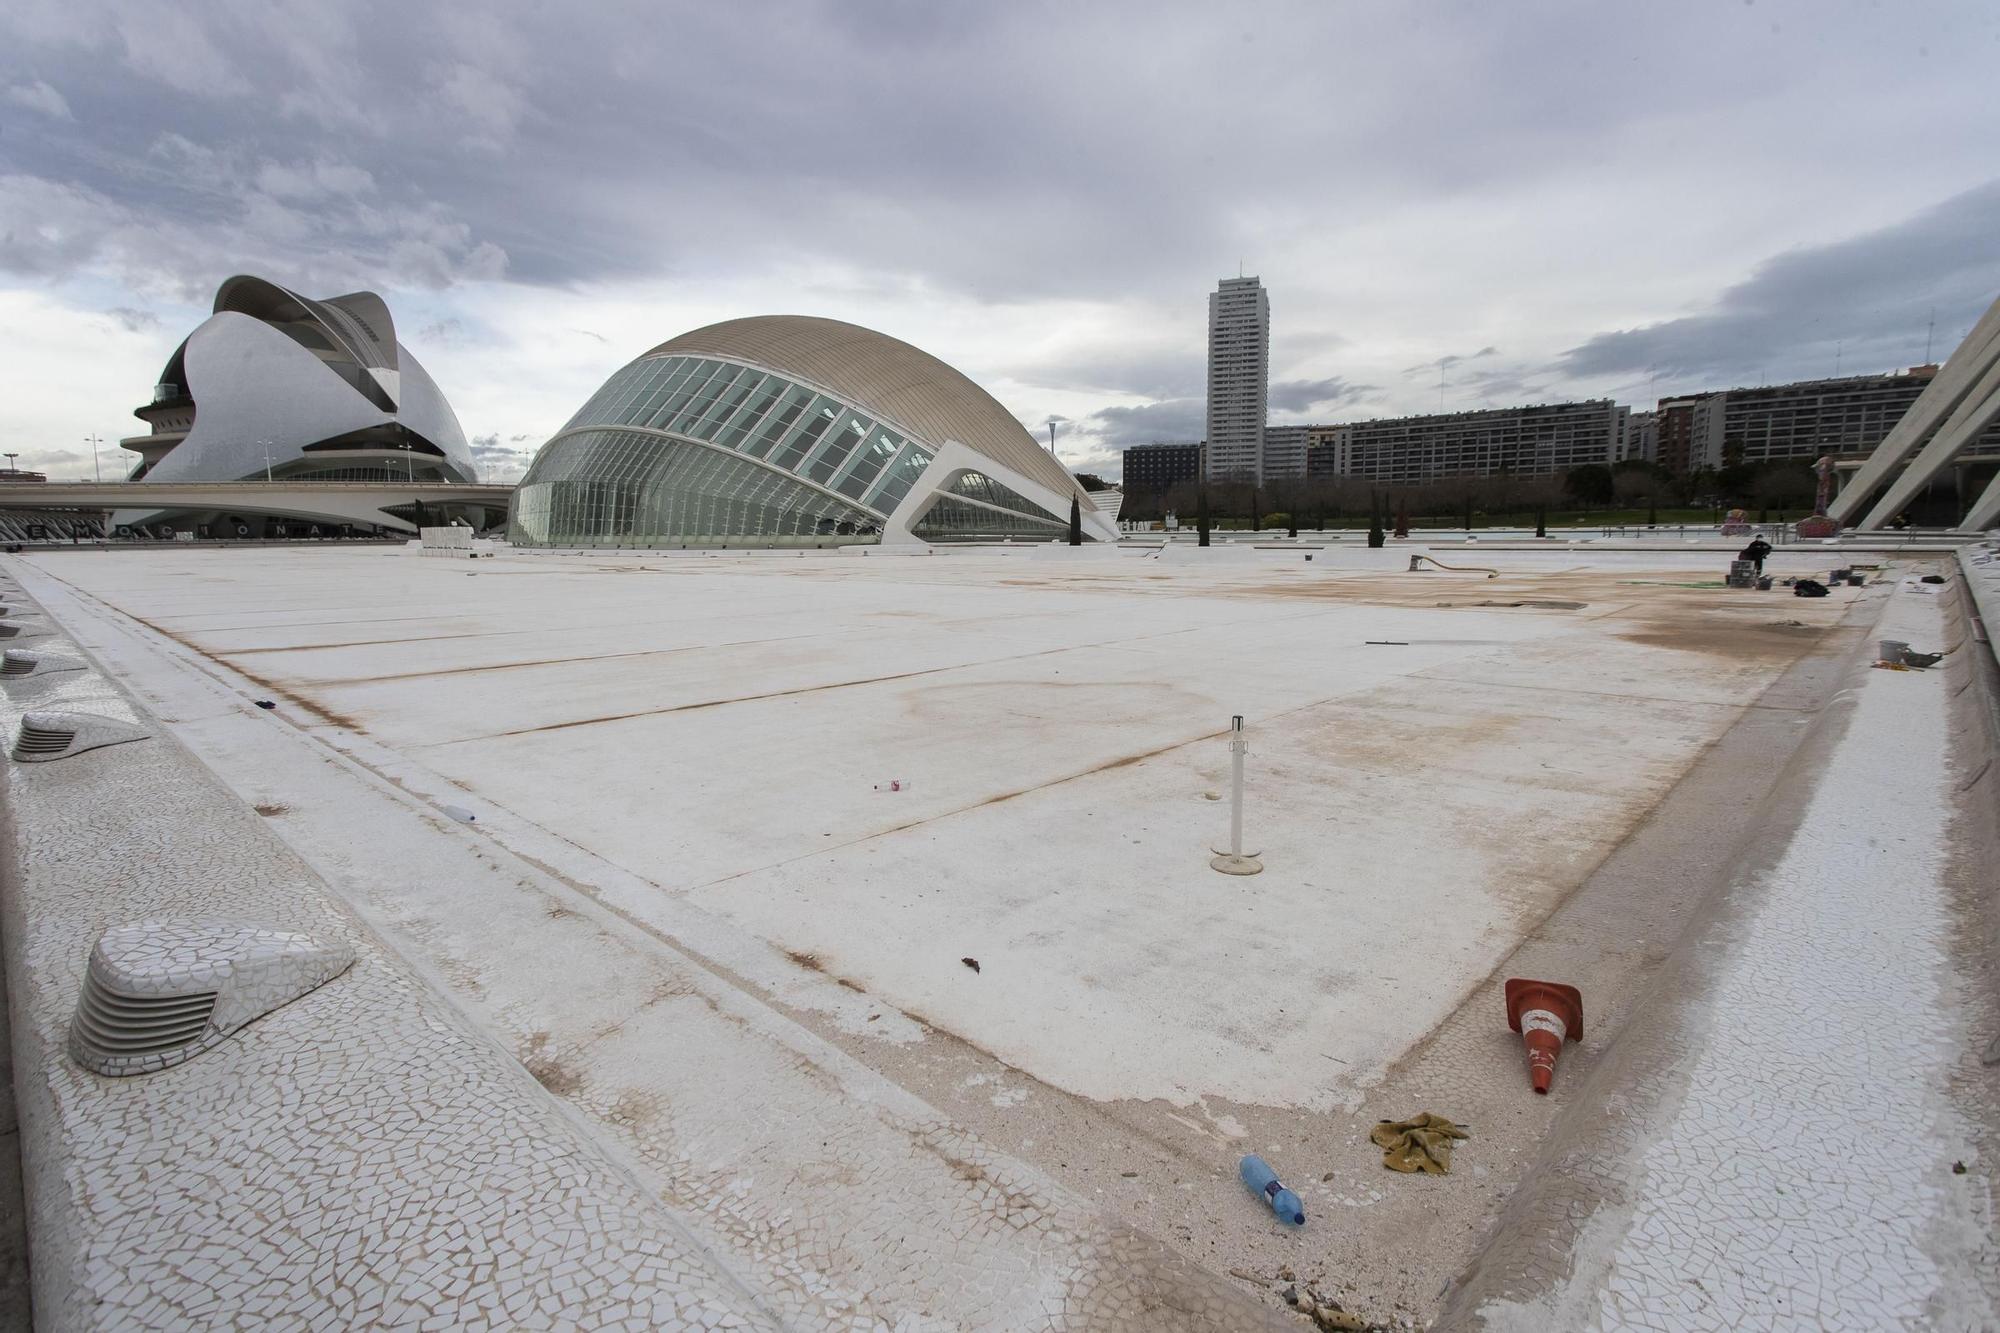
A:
882	375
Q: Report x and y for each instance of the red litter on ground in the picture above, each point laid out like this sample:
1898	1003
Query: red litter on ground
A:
1545	1013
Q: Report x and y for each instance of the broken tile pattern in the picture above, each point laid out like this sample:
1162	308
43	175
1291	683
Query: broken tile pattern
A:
1792	1165
359	1157
45	735
242	971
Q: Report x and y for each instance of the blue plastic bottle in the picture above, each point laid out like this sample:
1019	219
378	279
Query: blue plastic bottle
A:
1263	1181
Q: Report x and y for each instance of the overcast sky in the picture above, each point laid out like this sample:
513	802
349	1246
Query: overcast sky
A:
1468	205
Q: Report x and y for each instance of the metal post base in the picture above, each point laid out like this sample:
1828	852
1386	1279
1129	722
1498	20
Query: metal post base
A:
1231	864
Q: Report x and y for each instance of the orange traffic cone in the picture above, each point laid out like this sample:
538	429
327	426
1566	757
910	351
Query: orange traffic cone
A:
1545	1013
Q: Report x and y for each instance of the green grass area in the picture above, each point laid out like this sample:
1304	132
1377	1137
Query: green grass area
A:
1580	518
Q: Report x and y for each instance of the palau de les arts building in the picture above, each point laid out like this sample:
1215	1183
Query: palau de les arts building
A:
787	430
275	385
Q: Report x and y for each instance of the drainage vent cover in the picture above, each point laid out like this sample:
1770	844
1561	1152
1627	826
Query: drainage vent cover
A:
160	992
16	629
18	662
46	736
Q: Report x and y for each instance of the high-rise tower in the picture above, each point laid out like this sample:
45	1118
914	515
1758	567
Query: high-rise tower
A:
1239	353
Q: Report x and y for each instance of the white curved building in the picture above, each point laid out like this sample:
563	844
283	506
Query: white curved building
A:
788	430
278	386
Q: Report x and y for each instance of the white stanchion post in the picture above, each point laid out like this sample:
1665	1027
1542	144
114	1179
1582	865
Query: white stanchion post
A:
1235	861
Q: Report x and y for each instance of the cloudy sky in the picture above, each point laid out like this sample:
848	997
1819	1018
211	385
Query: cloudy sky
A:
1467	204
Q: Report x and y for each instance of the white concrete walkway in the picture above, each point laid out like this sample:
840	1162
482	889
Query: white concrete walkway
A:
1799	1169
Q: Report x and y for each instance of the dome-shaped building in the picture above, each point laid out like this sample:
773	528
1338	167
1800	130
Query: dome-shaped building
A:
278	385
787	430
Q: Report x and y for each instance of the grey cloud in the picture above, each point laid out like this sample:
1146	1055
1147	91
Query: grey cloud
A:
1174	421
587	333
134	321
498	461
1450	360
39	97
1305	395
1866	299
993	151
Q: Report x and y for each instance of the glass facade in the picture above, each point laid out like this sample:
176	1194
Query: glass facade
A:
697	451
977	508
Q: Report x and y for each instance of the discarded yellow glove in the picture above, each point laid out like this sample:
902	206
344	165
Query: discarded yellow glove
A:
1422	1143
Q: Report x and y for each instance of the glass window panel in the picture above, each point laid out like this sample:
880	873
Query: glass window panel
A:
774	429
838	445
684	420
868	462
817	418
699	373
727	405
747	420
898	478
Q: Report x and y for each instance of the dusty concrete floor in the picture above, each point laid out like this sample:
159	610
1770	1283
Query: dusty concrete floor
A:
16	1302
1538	788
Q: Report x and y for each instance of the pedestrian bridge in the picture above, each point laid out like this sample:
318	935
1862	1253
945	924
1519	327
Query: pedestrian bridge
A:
335	502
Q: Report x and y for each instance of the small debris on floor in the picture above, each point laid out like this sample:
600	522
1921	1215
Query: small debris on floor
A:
972	963
1421	1143
265	703
1958	1168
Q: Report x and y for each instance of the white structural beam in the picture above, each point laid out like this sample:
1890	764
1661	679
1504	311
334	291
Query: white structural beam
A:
1959	379
953	461
1975	411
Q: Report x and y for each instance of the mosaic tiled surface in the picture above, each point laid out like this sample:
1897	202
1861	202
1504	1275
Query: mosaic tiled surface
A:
240	971
359	1157
44	736
1792	1159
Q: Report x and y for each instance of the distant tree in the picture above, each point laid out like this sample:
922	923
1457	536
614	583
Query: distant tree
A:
1541	520
1784	486
1468	510
1090	481
1375	538
1075	521
1201	518
1590	483
1633	486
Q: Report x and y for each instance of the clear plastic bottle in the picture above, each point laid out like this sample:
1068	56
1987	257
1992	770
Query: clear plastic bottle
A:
1263	1181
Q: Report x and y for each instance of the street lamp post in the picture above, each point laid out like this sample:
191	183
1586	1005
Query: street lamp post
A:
267	459
96	467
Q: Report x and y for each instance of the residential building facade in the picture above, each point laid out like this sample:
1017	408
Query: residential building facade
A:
1801	420
1239	356
1544	439
1155	469
1285	452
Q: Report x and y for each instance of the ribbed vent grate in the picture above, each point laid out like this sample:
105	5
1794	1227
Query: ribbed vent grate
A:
133	1025
43	740
17	663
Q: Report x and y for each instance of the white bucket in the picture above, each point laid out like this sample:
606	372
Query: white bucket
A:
1892	650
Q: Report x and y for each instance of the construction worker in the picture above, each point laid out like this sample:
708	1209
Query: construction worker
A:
1756	551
